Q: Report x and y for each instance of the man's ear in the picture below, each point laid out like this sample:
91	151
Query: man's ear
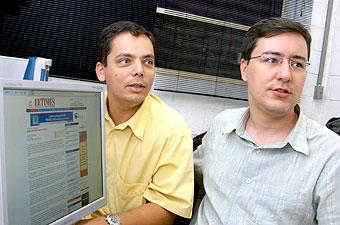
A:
243	69
100	71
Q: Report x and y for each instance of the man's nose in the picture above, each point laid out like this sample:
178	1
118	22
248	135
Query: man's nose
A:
285	70
138	69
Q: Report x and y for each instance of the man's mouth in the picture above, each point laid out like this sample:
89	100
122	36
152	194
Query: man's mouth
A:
136	85
282	90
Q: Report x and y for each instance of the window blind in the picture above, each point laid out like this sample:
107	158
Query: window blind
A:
198	43
66	31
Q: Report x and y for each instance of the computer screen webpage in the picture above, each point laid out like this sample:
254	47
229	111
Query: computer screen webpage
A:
52	153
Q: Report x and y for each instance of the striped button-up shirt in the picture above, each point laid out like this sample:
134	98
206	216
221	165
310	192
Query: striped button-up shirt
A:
296	181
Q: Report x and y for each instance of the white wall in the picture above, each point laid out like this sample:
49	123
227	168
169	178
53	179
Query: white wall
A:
199	111
332	84
329	106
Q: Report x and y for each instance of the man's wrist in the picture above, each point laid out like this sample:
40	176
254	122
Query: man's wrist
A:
112	219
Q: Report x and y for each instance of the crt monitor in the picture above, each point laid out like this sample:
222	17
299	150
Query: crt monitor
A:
52	165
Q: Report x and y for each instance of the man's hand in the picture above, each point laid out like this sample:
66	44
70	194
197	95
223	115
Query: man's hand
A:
148	214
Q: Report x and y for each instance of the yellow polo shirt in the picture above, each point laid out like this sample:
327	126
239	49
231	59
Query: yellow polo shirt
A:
149	157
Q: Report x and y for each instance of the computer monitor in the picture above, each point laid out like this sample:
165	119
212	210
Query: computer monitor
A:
52	149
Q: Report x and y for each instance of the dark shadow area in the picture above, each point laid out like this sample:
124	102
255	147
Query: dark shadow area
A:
66	31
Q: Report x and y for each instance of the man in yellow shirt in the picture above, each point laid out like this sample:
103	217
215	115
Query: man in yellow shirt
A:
148	144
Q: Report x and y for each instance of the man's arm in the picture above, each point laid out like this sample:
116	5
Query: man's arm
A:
148	214
327	192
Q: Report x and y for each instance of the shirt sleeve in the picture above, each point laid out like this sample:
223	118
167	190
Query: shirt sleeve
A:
172	184
327	192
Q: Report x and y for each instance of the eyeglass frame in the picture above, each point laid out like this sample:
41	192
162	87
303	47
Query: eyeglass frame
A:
290	60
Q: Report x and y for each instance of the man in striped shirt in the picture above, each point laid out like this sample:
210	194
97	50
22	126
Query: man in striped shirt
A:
269	163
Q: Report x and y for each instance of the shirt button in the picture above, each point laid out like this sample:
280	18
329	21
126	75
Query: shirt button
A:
258	151
248	181
237	208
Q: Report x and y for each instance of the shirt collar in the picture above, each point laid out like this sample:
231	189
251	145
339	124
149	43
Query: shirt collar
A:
297	138
137	122
238	122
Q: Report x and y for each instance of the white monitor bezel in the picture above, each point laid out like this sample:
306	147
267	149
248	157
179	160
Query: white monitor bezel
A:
54	86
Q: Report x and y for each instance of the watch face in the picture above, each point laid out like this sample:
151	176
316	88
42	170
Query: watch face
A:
113	219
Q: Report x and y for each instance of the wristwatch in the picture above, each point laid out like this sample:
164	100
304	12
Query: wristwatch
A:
112	219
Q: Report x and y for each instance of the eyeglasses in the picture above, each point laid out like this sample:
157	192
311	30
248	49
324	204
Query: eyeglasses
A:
297	64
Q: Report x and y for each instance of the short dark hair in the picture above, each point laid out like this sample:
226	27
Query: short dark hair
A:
271	27
110	32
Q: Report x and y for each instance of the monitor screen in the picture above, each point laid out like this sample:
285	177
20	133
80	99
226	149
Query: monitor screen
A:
52	151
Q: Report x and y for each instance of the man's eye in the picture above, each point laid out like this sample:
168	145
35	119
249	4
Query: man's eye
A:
149	62
297	64
124	61
272	60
